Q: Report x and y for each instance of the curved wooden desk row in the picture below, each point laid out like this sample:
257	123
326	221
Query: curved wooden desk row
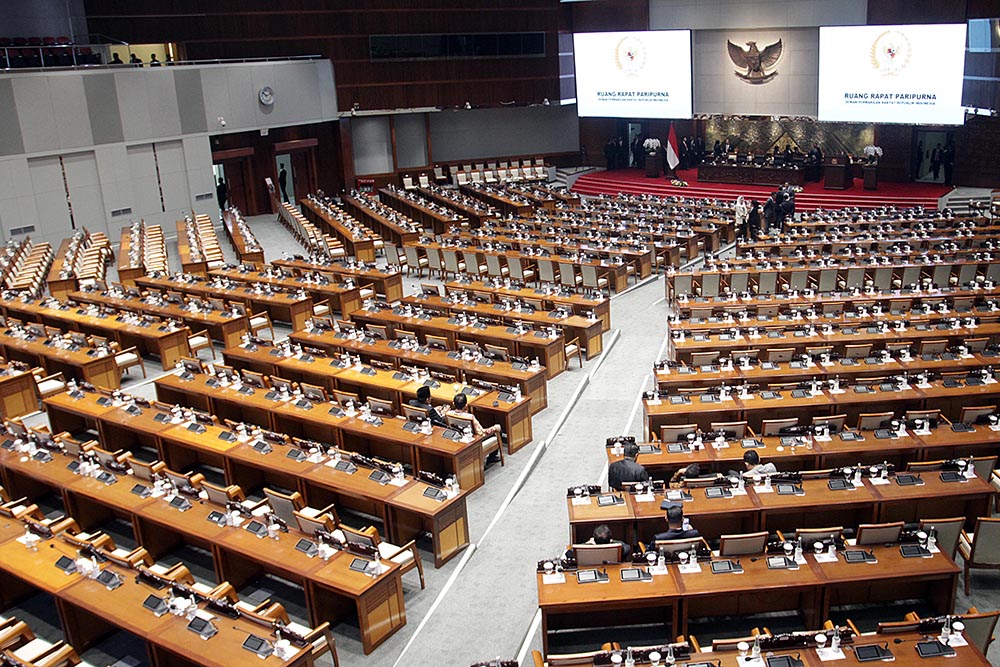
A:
531	381
89	610
221	326
434	452
339	296
703	410
167	342
374	214
589	332
792	453
87	363
386	280
283	305
241	237
840	340
777	373
759	509
403	508
824	279
358	240
428	213
902	219
507	203
551	352
639	254
841	300
903	649
478	212
671	599
549	294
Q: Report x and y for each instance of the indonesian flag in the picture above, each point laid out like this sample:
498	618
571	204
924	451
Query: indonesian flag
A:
672	151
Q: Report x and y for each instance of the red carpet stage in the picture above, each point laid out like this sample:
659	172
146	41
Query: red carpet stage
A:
634	181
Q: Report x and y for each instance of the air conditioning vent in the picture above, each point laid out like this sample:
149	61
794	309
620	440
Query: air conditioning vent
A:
203	196
121	211
22	230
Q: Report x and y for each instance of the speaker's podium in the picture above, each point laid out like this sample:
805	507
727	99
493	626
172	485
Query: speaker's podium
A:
837	173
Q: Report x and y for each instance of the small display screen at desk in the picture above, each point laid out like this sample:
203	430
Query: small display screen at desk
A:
633	574
451	434
717	492
42	456
678	400
216	517
359	565
161	417
908	480
605	500
436	494
109	579
180	503
962	428
839	485
227	436
155	604
769	395
345	466
725	567
257	645
750	443
257	528
913	551
196	428
851	436
952	476
73	466
66	564
883	434
141	490
783	661
296	454
856	556
870	653
933	649
588	576
379	476
307	547
107	478
678	448
262	447
789	490
202	627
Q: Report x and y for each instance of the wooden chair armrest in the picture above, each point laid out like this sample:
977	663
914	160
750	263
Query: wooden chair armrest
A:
409	546
60	654
966	536
695	646
64	524
853	627
196	479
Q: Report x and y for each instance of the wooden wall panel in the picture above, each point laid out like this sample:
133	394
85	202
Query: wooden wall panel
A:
897	146
339	30
977	145
610	15
888	12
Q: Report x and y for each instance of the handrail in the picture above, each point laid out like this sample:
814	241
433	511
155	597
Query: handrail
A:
105	66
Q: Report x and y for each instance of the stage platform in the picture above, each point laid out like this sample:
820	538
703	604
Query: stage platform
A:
813	196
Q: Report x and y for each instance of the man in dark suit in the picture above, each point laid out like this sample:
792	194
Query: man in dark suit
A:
423	401
948	160
685	150
602	535
609	155
283	183
677	527
222	192
770	215
937	157
626	470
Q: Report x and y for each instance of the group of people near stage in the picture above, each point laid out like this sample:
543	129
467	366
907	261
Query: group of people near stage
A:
621	153
752	219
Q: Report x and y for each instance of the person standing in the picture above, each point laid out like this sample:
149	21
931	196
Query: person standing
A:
769	214
948	161
222	192
742	213
918	160
283	183
787	208
937	156
609	155
753	220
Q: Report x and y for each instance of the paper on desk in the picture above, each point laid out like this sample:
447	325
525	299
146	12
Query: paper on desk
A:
878	481
763	489
554	578
581	501
644	498
828	654
398	481
826	557
690	568
739	492
956	640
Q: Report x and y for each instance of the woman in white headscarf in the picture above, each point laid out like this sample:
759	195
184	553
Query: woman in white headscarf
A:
742	212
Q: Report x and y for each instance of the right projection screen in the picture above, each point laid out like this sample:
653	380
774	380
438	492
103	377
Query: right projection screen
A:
892	74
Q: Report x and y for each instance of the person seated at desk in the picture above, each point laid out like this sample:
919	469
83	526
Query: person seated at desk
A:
423	401
678	528
751	459
458	408
693	471
602	535
627	470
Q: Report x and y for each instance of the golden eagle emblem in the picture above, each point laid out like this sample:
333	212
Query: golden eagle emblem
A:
755	60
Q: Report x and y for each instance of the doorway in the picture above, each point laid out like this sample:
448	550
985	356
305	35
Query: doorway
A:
233	173
285	182
924	143
635	133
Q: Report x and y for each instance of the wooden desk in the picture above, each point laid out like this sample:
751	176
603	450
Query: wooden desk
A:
812	589
167	342
429	214
99	370
247	249
387	280
587	331
750	174
223	327
758	509
550	351
192	258
531	381
282	306
338	295
366	207
405	511
358	240
18	392
434	453
581	304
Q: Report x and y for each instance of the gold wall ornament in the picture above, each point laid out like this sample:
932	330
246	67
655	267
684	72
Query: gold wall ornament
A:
755	61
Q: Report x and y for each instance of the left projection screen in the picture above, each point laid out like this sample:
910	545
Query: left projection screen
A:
633	74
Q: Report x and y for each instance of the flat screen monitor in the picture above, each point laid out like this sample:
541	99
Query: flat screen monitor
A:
633	74
892	73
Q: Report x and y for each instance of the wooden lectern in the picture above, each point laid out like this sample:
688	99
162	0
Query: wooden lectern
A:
837	173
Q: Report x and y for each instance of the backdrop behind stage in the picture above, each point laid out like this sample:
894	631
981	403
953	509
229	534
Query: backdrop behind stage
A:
788	87
761	134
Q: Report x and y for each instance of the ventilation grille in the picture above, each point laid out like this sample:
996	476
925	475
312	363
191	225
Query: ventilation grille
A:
22	230
203	196
121	211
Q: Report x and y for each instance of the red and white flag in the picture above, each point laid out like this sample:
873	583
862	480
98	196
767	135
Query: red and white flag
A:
672	150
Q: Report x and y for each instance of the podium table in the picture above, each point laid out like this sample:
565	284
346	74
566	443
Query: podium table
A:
837	173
